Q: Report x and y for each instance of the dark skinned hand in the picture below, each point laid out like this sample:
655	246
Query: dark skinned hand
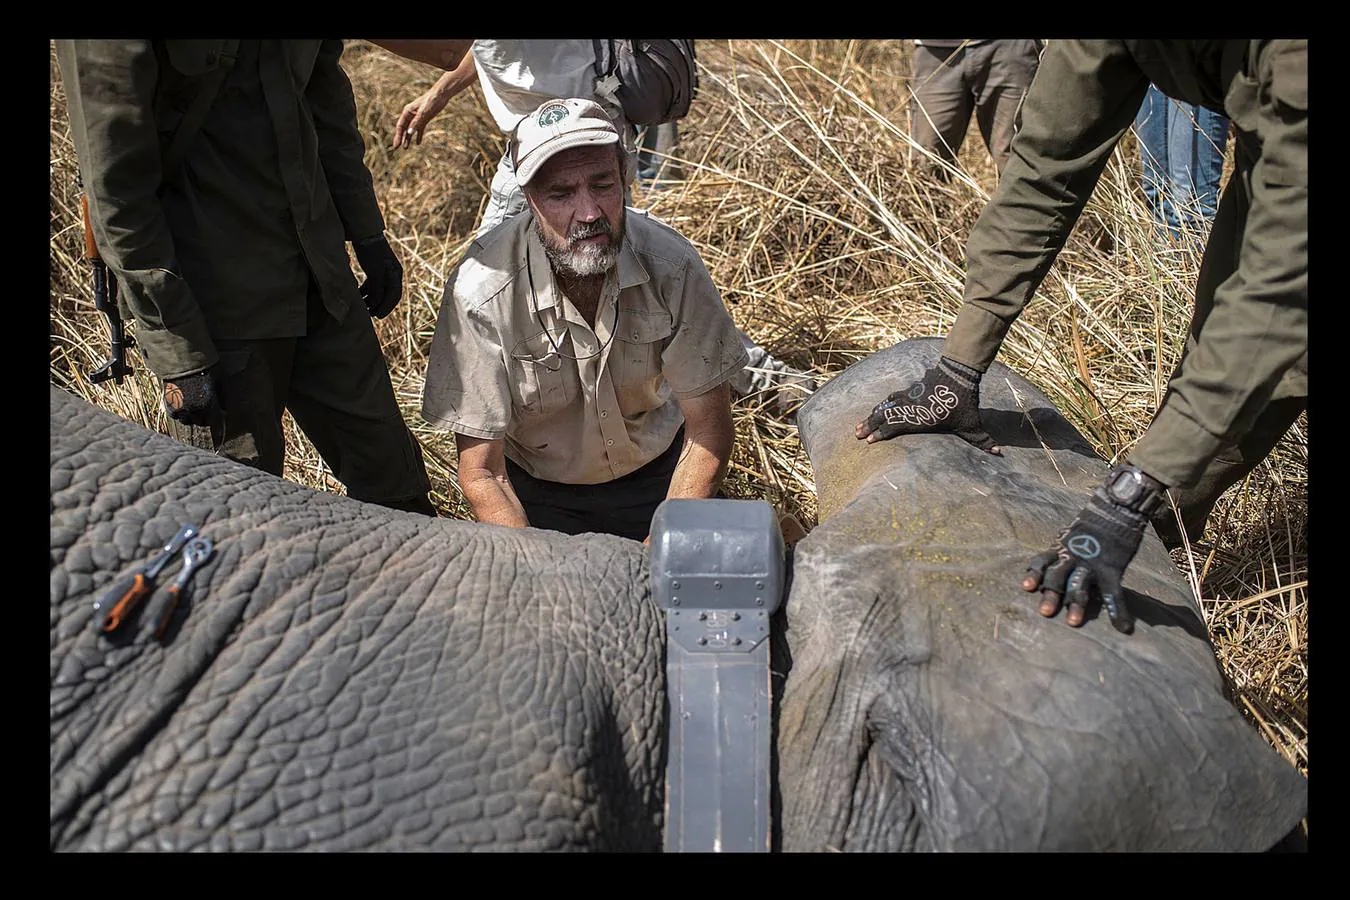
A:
946	400
1093	552
190	399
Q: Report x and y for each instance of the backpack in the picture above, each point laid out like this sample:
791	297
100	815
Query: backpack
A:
653	81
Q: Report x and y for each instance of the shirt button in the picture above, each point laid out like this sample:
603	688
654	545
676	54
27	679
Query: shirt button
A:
604	413
610	442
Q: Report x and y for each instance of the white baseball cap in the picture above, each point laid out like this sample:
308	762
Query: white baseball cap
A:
554	126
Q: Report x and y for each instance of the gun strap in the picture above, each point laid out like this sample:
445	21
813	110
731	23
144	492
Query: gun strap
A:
196	113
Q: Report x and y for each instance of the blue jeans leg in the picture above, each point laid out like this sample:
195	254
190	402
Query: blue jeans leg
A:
1181	149
1150	126
1195	156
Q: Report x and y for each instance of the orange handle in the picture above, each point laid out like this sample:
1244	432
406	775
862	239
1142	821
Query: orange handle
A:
173	595
90	248
128	601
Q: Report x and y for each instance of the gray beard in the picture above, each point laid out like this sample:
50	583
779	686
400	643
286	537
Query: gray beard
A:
582	262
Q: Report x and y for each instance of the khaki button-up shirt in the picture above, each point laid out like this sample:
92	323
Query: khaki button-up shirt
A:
513	359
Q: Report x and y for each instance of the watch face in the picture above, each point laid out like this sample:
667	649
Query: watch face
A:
1126	486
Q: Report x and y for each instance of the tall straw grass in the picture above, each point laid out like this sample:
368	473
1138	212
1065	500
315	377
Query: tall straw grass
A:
828	241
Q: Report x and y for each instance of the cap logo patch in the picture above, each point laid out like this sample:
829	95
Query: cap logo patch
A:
554	112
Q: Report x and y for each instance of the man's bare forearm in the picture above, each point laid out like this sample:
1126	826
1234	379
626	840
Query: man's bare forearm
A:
443	54
700	471
492	499
483	479
708	436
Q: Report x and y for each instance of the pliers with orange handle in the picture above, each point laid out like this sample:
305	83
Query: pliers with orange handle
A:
197	552
117	604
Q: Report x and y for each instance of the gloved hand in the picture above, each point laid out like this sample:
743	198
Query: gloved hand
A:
384	275
945	400
191	399
1095	549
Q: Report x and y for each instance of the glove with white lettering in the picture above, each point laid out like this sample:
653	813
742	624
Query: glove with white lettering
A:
945	400
383	286
191	399
1096	548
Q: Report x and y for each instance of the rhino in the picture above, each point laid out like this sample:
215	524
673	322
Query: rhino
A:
349	677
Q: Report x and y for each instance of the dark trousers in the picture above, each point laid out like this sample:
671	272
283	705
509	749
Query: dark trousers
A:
623	506
335	382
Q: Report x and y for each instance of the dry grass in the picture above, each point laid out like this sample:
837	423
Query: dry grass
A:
827	244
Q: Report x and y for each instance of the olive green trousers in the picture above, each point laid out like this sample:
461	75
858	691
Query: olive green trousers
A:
335	382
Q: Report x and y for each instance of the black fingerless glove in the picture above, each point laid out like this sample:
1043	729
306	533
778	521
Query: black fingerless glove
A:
191	399
945	400
1099	544
383	286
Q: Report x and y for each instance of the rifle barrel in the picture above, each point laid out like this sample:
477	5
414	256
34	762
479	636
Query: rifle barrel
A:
105	286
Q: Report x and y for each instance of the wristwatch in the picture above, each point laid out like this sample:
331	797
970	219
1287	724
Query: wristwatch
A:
1128	486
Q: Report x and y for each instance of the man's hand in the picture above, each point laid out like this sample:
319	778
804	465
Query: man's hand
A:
945	400
191	399
384	275
412	122
1094	550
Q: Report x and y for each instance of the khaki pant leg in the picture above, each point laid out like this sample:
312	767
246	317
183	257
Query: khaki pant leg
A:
342	398
1004	70
942	104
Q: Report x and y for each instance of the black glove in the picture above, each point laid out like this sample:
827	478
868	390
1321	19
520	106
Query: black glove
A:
191	399
945	400
384	275
1095	549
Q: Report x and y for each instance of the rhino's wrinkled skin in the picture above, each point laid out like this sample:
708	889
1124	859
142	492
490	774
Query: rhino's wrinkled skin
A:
948	713
355	678
349	677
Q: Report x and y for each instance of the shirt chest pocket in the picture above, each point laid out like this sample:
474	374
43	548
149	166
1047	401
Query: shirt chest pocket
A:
543	381
184	67
635	363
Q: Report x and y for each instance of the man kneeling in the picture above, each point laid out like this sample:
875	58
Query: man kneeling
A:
582	354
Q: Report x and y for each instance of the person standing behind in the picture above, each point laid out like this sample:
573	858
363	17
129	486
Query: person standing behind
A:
1181	150
656	145
233	262
515	77
953	79
582	353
